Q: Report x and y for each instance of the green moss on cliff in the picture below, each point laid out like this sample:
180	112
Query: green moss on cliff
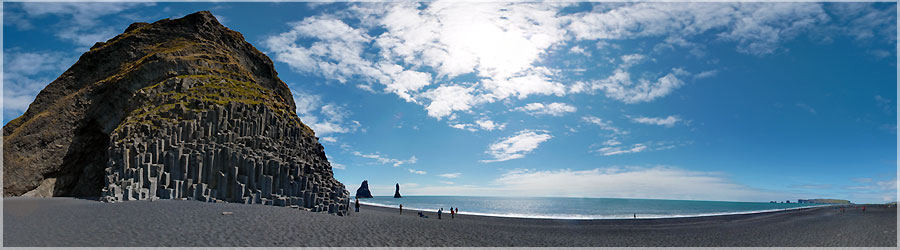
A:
214	91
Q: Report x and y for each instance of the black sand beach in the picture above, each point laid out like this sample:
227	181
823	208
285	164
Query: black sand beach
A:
69	222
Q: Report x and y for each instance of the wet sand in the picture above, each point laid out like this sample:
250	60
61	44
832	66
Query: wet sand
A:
70	222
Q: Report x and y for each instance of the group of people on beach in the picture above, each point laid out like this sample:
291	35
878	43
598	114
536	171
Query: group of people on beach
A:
453	211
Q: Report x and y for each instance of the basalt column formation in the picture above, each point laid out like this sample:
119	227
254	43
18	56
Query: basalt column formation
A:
175	109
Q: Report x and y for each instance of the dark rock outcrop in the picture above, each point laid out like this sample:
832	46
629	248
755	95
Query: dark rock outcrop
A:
397	192
363	190
175	109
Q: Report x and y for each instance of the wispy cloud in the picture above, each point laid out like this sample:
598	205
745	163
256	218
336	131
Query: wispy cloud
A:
489	125
517	146
379	158
323	118
706	74
614	147
26	73
615	150
552	109
80	23
450	175
413	171
620	86
603	124
668	121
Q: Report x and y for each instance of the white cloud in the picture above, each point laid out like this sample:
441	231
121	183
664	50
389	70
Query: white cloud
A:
336	52
706	74
335	116
80	22
614	147
500	43
636	148
338	166
450	175
464	126
515	147
757	28
866	23
447	182
25	74
448	98
552	109
621	87
328	139
668	121
604	124
489	125
452	57
380	159
413	171
579	50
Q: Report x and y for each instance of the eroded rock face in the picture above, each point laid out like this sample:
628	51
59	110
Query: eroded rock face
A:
363	190
180	108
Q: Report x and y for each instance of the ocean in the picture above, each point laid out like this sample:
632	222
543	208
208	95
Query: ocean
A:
578	208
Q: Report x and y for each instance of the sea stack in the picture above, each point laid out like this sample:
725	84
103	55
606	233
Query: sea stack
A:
175	109
397	191
363	190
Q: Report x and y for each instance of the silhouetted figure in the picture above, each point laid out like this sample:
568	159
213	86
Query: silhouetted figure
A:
457	210
401	209
357	205
635	216
452	214
439	213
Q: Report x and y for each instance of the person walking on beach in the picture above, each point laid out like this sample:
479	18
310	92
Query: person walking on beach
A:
401	209
452	215
457	210
439	213
357	204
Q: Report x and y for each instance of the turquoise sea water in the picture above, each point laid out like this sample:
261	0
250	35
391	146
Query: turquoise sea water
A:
578	208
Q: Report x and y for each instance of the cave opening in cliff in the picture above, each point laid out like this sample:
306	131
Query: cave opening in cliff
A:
83	170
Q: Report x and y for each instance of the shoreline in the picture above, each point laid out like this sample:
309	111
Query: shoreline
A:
372	204
72	222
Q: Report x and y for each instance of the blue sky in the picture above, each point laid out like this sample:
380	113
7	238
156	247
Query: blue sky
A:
724	101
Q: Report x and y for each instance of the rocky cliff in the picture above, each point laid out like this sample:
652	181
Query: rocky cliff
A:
175	109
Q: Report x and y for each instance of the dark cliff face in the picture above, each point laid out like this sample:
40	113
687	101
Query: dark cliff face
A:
183	108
